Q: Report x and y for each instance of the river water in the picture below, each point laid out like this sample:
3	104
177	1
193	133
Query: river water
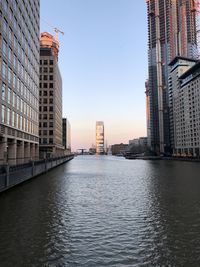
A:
104	211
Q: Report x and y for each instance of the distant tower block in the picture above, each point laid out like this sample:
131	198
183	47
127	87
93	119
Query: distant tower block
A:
100	137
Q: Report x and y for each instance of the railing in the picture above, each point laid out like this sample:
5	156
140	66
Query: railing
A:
13	175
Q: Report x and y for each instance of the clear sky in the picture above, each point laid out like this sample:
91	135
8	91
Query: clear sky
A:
103	63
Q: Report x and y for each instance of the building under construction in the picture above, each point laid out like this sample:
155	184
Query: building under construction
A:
172	32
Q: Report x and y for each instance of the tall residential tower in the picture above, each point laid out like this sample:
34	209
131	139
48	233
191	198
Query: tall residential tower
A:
171	33
19	80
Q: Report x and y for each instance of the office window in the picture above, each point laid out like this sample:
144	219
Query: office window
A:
9	54
9	95
4	69
13	119
4	47
5	25
5	6
8	116
3	91
3	114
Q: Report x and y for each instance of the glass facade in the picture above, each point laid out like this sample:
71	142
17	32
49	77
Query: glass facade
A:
19	69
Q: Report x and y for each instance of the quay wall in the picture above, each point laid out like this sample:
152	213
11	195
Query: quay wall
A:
11	176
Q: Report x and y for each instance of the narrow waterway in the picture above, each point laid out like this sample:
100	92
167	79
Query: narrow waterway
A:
104	211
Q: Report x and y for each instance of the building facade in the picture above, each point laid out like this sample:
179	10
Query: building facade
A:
186	112
178	67
119	149
19	81
66	128
100	138
171	33
50	107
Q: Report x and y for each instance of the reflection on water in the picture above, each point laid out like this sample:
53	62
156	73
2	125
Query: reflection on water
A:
104	211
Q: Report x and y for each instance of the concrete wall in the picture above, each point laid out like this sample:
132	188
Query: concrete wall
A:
14	175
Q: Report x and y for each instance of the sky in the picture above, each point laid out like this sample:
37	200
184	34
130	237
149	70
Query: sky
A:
103	63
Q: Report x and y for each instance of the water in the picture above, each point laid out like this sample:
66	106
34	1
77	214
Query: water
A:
104	211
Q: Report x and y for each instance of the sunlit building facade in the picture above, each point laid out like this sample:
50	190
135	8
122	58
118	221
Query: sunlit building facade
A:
19	81
100	138
50	109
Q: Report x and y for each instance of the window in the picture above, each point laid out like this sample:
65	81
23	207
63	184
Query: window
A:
10	34
9	54
45	69
14	61
5	25
51	62
44	108
9	75
50	70
51	93
9	95
14	95
51	101
13	119
4	47
8	116
5	6
3	114
45	62
45	85
11	15
51	77
51	85
15	42
45	77
51	132
4	69
3	91
14	80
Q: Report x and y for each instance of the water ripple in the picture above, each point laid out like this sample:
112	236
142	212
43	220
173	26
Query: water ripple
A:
104	211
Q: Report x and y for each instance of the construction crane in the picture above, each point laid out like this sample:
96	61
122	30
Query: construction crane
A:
56	30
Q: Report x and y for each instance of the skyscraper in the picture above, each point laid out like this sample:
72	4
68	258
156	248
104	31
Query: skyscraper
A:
100	137
172	32
50	115
19	80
